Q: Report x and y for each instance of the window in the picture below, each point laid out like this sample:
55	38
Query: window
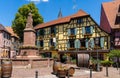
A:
72	30
41	43
87	30
97	41
82	42
71	43
79	20
41	32
117	21
51	42
53	30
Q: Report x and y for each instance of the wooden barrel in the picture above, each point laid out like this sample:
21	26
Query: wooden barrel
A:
0	72
71	71
6	68
82	60
56	65
61	73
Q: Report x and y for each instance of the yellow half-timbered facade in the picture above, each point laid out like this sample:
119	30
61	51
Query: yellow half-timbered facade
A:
71	35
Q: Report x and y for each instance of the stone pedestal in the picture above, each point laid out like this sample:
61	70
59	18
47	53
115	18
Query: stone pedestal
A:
29	49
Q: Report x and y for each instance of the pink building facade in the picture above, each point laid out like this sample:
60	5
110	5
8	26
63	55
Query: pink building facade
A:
5	42
110	21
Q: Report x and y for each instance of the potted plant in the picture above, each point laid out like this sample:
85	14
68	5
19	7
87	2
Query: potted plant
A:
106	63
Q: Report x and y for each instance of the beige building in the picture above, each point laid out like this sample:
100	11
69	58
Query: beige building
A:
71	35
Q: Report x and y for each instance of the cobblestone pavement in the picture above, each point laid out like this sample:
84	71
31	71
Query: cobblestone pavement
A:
45	72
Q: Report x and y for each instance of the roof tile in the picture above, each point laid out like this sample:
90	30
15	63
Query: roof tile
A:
80	13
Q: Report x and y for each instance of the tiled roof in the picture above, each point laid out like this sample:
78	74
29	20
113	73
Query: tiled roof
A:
2	28
80	13
111	9
10	30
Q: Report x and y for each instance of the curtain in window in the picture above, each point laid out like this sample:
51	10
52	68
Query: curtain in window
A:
92	43
86	43
77	43
69	33
91	29
83	30
102	42
75	31
68	44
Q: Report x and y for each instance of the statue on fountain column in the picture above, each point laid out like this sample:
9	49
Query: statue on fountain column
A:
29	23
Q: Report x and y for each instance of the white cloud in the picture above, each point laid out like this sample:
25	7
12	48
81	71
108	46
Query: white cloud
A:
38	1
74	5
45	0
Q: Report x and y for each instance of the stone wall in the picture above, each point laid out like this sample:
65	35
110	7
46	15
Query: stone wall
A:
33	63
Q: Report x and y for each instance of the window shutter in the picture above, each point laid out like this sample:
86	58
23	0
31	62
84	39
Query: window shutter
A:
69	32
92	43
83	30
78	43
75	31
86	43
102	42
75	44
91	29
68	44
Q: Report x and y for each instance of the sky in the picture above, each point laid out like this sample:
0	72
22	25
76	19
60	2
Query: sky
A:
49	9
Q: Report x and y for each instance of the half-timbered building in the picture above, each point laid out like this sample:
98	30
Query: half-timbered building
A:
71	35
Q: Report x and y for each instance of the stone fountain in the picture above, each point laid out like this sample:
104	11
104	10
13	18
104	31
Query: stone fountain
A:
28	53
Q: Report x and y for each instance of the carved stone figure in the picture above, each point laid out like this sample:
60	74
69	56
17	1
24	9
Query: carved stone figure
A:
29	23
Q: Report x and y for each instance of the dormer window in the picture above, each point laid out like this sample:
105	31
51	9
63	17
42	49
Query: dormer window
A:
117	21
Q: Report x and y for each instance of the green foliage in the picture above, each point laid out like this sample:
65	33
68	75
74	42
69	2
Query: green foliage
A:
55	57
73	61
106	63
94	61
28	47
64	57
114	53
19	21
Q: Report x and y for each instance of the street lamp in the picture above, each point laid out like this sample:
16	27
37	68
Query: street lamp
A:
97	42
89	47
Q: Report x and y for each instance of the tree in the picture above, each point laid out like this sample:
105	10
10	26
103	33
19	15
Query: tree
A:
19	22
115	54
